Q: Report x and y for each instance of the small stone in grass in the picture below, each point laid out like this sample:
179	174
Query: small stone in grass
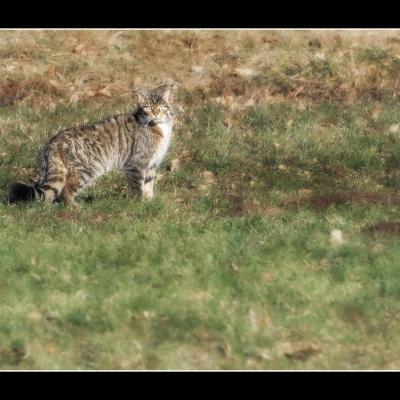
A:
336	237
174	165
34	316
394	128
235	267
267	277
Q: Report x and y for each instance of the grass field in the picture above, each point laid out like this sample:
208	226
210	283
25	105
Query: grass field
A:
234	264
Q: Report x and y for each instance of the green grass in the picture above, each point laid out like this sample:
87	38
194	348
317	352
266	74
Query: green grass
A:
185	282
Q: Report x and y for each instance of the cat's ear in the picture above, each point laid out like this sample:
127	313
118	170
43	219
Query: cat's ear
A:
141	95
167	91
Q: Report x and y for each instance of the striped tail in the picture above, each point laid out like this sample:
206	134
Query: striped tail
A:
22	193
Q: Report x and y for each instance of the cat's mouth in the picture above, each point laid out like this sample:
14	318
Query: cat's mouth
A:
157	120
149	121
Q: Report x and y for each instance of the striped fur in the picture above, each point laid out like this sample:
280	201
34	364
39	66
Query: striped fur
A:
133	143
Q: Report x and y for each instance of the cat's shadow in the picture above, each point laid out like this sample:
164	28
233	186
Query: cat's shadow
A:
88	199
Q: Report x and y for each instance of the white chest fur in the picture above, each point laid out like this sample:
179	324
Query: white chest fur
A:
166	130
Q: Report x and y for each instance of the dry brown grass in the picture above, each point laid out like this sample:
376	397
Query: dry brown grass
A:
323	201
392	228
44	68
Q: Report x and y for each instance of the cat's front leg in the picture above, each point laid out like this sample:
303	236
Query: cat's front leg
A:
149	179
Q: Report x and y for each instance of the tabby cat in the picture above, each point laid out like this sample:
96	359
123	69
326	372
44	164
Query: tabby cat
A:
135	143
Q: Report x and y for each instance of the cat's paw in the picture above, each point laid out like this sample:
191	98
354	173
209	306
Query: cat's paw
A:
146	197
147	193
72	205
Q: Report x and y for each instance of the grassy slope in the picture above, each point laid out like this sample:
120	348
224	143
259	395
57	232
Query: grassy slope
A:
214	273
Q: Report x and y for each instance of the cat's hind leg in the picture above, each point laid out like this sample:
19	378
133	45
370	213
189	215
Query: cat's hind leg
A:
68	197
75	182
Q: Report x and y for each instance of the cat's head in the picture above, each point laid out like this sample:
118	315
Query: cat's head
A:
155	105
